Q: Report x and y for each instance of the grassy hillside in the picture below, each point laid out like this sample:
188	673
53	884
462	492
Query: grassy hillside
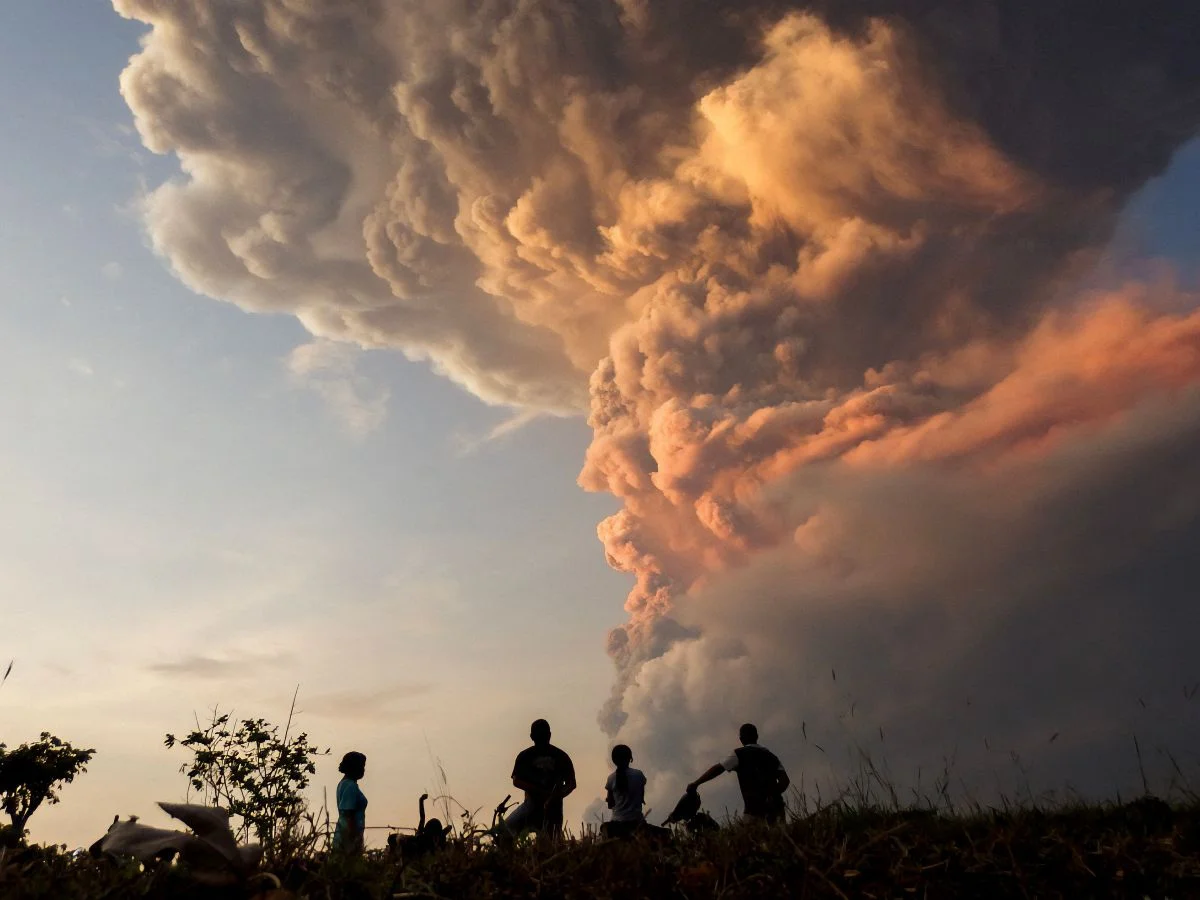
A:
1142	849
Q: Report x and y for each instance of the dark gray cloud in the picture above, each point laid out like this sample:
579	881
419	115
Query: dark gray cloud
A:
966	619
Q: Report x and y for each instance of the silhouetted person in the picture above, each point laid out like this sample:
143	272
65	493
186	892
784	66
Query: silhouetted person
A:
625	792
546	775
429	836
760	774
351	804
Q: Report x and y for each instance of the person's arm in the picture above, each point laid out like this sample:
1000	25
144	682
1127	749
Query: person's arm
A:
357	806
709	774
522	785
421	805
562	789
520	782
781	780
568	784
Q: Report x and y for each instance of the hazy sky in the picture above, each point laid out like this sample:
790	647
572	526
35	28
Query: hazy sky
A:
205	505
186	526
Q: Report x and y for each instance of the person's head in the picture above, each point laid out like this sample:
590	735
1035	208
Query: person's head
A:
435	831
353	765
539	731
622	756
748	734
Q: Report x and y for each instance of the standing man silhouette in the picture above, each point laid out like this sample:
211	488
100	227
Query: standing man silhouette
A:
761	776
546	775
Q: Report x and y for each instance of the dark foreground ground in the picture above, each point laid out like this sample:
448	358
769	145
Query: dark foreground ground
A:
1143	849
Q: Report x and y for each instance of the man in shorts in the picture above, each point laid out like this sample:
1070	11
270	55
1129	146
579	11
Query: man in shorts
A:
546	775
761	776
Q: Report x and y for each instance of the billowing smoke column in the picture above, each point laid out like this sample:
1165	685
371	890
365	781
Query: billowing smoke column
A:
815	271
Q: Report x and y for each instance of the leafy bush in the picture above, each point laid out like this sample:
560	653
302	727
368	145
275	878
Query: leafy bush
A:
249	768
31	775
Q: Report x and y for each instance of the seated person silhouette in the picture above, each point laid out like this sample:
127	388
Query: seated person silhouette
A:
429	836
546	775
625	792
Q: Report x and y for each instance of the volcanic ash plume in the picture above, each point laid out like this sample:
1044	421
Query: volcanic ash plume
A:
816	276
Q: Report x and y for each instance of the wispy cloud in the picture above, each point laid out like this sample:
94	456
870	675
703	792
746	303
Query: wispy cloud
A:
112	270
198	665
465	445
81	367
113	140
357	704
330	370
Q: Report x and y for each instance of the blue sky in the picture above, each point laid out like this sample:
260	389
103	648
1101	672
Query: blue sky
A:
180	496
189	524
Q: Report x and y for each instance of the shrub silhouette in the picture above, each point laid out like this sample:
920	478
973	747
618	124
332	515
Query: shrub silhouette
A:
31	775
256	773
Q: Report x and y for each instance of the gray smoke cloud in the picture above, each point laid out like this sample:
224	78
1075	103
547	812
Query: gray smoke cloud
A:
1016	630
811	269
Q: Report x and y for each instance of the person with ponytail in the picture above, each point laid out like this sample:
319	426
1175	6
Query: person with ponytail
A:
626	792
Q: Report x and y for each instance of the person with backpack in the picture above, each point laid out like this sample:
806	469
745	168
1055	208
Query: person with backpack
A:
760	774
625	792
